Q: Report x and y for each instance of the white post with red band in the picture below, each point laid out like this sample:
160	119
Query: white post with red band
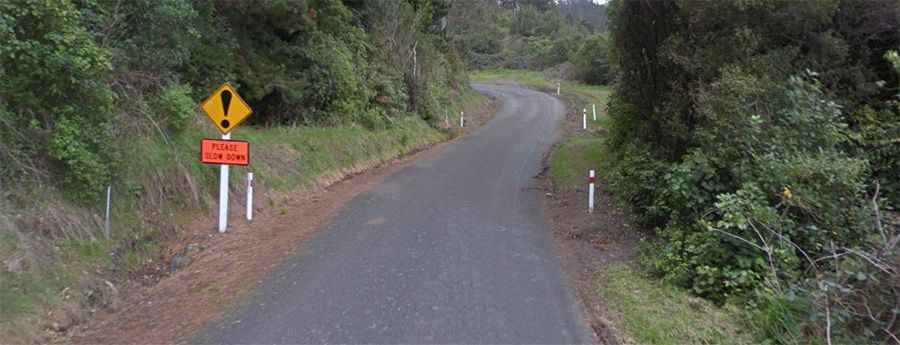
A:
249	196
591	180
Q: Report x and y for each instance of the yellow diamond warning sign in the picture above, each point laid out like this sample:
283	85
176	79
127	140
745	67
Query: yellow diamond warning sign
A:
226	108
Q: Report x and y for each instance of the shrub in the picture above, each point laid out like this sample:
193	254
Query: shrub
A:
730	209
175	105
156	37
591	60
769	182
52	82
754	215
333	86
634	177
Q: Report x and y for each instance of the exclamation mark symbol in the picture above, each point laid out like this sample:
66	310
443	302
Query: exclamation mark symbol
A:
226	102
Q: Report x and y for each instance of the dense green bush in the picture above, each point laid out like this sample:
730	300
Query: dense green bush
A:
528	35
175	106
768	143
591	60
478	31
52	83
146	36
746	178
75	73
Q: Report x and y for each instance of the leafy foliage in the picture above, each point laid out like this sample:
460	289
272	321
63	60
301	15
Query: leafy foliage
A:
77	73
52	85
176	105
591	60
534	35
754	136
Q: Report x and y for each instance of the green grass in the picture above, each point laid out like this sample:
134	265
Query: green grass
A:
21	292
652	313
528	77
8	240
572	158
281	158
85	251
18	294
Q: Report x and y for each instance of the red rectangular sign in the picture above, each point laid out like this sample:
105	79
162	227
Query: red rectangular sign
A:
231	152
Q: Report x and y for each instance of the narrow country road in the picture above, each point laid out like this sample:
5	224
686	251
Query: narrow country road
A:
452	249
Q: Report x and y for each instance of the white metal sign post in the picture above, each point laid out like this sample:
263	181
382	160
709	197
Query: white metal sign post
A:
223	192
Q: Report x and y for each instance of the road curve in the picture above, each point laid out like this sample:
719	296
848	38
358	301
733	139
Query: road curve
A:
451	249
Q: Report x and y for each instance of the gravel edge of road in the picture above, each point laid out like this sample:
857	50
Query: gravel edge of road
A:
583	247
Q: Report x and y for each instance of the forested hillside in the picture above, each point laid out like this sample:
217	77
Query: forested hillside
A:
76	73
761	139
566	38
97	93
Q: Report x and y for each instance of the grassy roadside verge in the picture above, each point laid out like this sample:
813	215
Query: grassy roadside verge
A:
635	308
61	279
648	312
572	157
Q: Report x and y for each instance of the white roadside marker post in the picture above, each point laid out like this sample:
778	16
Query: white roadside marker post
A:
591	179
108	204
462	120
249	196
557	88
223	192
584	119
594	107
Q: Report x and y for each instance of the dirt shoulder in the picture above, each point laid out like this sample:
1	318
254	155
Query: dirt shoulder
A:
215	272
587	242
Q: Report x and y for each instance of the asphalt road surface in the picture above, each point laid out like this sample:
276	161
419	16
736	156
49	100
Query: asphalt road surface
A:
451	249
